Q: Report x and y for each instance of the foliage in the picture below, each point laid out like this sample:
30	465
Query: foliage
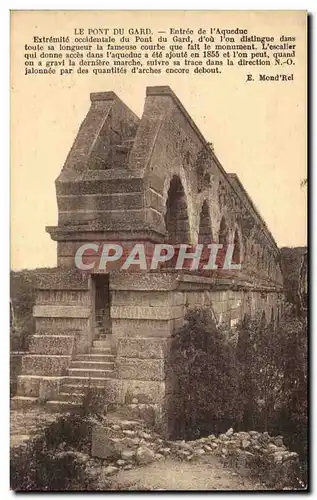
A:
273	361
94	401
292	263
22	300
205	378
260	384
54	460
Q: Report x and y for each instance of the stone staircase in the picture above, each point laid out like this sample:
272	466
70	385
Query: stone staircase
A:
90	370
87	370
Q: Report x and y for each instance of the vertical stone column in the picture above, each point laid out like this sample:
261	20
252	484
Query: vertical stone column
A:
145	310
62	327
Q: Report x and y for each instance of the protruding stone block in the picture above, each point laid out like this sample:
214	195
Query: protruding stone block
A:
140	369
52	344
143	348
40	364
55	311
49	388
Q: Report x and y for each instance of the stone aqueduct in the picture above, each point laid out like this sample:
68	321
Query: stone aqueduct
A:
149	180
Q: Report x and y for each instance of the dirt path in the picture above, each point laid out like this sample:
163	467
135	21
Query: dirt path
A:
207	474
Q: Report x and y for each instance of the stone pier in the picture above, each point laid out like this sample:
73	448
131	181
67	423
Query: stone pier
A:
144	180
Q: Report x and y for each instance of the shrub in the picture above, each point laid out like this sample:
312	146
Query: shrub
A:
94	401
54	460
204	395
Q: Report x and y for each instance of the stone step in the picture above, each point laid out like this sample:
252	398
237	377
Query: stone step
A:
100	350
79	389
90	372
82	380
101	343
61	406
21	402
105	357
70	397
94	365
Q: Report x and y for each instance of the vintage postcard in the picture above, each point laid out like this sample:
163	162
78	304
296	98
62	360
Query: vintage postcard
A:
158	302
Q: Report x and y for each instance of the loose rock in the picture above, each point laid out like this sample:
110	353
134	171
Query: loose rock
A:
110	470
144	455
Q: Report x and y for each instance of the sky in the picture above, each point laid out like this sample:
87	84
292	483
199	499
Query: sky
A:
258	130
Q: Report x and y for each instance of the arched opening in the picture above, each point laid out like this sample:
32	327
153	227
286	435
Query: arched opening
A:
205	233
236	257
176	216
223	232
272	317
223	239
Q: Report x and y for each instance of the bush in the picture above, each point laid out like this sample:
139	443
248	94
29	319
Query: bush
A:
273	382
94	401
258	382
55	460
204	384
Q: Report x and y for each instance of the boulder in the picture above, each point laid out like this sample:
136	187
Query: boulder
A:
104	446
128	442
144	455
116	427
121	462
127	467
129	432
200	451
127	455
110	470
245	443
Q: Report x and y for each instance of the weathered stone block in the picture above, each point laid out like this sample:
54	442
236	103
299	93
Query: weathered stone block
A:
142	392
56	311
39	364
49	388
142	348
113	391
141	298
64	326
141	328
28	386
62	297
103	446
145	312
145	281
140	369
122	201
51	344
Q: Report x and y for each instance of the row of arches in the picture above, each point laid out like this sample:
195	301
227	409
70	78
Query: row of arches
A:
178	227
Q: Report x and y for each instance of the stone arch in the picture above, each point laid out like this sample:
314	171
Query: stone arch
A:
223	235
205	235
176	214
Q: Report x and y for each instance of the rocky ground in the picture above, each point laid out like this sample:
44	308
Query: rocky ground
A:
27	423
125	445
127	455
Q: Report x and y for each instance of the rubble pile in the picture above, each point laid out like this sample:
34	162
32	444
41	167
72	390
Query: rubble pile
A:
125	444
